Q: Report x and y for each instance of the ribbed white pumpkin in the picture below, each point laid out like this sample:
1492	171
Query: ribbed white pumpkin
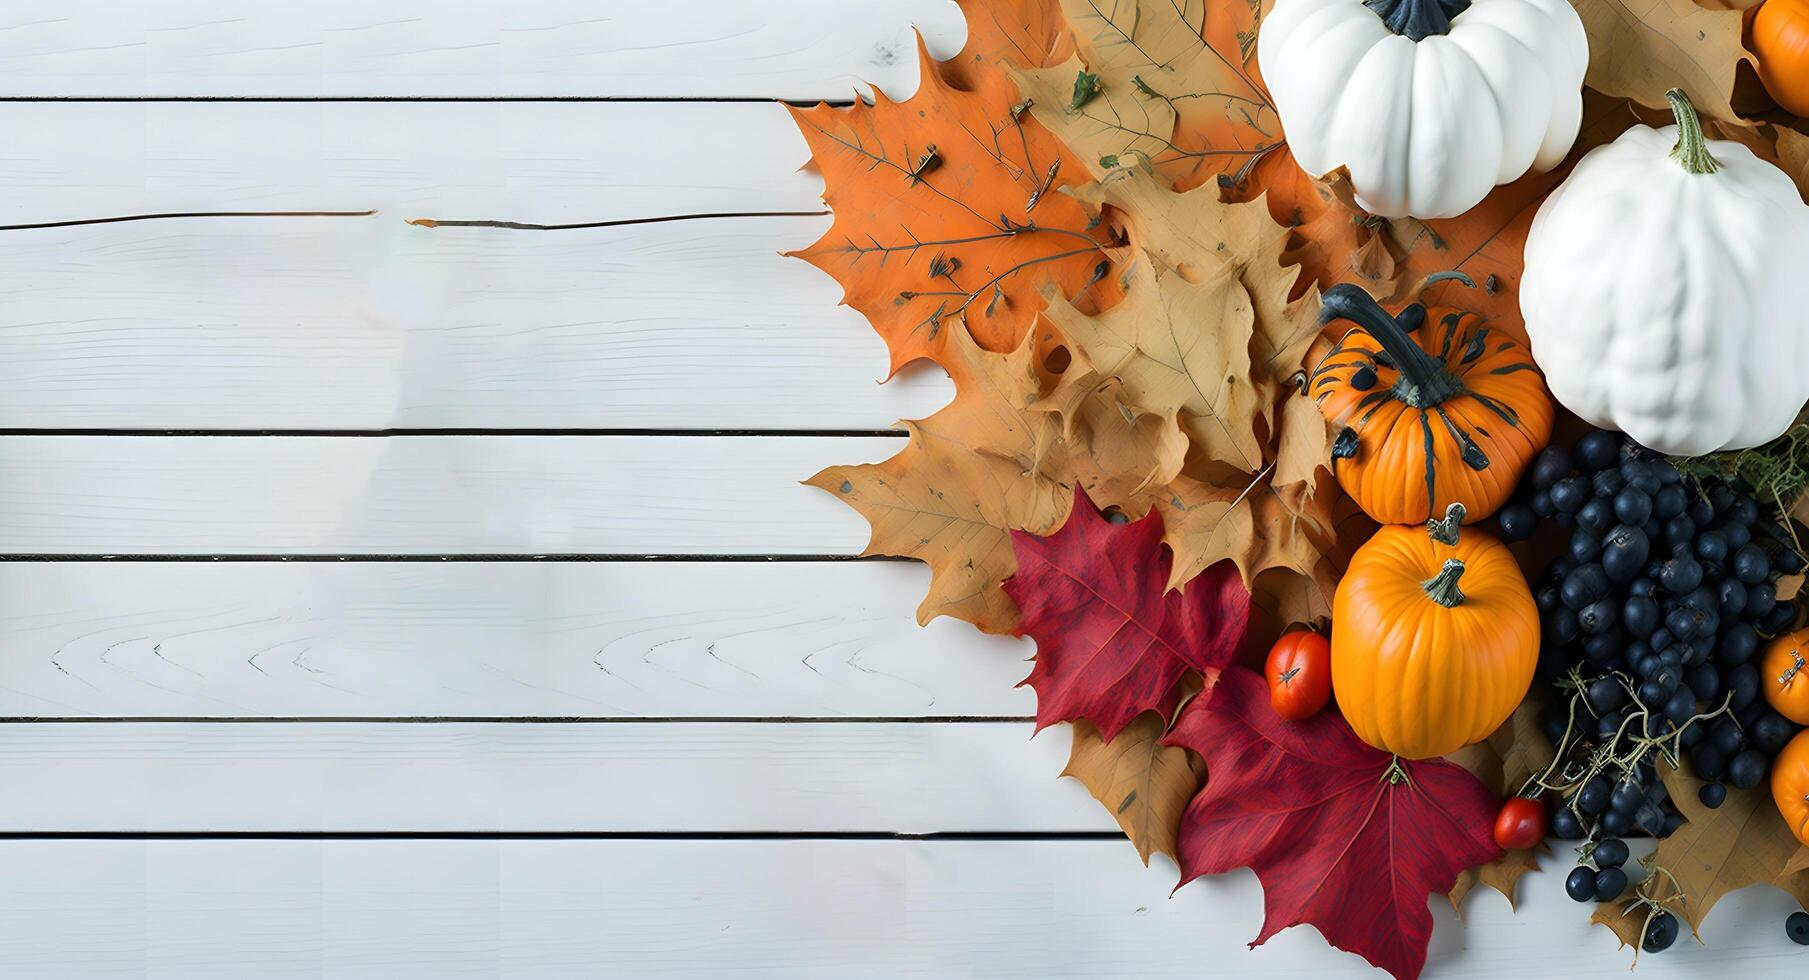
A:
1429	104
1664	292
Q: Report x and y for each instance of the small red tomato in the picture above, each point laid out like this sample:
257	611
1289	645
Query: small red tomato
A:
1520	824
1300	674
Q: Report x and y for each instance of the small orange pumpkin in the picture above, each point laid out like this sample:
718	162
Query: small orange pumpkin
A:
1434	409
1790	785
1784	675
1780	41
1434	638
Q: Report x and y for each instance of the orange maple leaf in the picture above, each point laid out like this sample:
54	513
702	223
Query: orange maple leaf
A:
948	209
1027	33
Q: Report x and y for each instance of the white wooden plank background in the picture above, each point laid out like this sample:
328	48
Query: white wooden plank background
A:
632	700
427	494
491	639
707	909
369	323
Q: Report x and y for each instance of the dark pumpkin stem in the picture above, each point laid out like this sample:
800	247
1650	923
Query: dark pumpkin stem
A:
1424	381
1445	531
1691	151
1417	20
1442	588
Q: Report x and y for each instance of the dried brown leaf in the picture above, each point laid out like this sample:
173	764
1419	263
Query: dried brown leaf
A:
970	474
1177	94
1640	49
1503	761
1144	784
1743	842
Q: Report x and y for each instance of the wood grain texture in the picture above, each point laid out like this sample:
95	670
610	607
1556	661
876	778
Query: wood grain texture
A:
198	495
708	909
770	49
665	777
597	640
368	323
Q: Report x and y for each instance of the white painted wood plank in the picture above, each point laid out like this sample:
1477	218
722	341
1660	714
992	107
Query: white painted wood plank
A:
607	640
709	909
427	495
794	49
369	323
812	777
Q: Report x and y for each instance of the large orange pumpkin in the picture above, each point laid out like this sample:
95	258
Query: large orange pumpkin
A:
1784	675
1780	41
1790	785
1434	409
1434	638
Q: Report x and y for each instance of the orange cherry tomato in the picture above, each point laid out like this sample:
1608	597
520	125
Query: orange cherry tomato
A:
1520	824
1299	669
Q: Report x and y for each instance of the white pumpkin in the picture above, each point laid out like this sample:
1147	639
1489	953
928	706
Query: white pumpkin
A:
1429	103
1663	290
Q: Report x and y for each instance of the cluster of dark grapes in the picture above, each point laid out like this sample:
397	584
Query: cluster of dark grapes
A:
1653	617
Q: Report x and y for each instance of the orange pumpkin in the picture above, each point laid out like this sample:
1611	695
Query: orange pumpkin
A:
1434	409
1434	638
1790	785
1784	675
1780	41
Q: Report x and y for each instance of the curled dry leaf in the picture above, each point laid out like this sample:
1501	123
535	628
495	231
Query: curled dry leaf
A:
1743	842
1177	92
1341	835
1143	784
1111	640
970	474
1503	761
1640	49
948	210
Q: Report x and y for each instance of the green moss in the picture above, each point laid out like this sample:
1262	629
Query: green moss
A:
1777	472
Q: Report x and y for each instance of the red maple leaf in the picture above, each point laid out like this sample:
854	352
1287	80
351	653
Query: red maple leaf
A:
1110	642
1341	835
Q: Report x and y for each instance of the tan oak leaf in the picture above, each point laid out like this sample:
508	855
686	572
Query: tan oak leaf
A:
1144	784
1503	761
1640	49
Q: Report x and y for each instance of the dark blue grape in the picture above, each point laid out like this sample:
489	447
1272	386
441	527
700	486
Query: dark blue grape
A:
1569	494
1584	546
1540	504
1705	681
1789	562
1679	529
1760	599
1661	932
1517	522
1731	596
1710	764
1551	465
1606	484
1743	683
1750	564
1711	547
1561	625
1580	884
1598	450
1639	615
1726	737
1680	575
1605	694
1585	584
1670	502
1747	769
1737	535
1737	645
1681	705
1610	852
1712	795
1702	512
1596	517
1632	506
1565	825
1599	616
1547	597
1608	724
1642	586
1772	732
1602	649
1610	882
1743	511
1628	795
1796	926
1624	552
1593	798
1616	822
1779	618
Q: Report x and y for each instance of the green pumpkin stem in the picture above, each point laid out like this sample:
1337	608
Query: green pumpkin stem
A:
1442	588
1424	381
1691	151
1445	531
1417	20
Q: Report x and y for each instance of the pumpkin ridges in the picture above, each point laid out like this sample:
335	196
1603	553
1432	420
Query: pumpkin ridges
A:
1416	678
1790	785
